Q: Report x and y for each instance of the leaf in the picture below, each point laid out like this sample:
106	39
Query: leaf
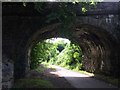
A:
84	9
24	4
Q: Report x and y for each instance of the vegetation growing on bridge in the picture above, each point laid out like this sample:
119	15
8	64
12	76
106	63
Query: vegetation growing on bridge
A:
60	52
63	12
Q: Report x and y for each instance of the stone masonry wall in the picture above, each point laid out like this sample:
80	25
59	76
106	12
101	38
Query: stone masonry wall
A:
7	72
18	29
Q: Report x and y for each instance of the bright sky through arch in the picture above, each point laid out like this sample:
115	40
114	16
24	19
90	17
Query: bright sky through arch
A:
54	40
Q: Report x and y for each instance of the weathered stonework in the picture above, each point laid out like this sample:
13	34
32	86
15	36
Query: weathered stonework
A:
97	35
7	72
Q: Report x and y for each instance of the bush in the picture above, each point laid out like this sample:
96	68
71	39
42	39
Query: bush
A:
59	53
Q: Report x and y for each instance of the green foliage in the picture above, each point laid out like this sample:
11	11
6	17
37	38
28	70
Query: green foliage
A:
42	51
70	57
46	51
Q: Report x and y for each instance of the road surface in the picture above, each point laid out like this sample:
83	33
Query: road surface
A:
79	80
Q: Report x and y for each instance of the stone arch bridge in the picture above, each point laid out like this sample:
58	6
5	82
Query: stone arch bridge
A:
97	32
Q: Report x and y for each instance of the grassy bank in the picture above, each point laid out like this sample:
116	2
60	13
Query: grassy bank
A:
32	83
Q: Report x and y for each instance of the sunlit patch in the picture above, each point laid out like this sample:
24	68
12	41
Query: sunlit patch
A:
54	73
61	72
55	40
68	74
51	0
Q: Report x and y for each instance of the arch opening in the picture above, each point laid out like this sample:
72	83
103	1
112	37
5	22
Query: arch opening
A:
57	51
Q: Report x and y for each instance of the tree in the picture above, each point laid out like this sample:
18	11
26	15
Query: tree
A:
47	51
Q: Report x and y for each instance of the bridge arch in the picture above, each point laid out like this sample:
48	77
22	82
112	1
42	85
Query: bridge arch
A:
97	32
96	43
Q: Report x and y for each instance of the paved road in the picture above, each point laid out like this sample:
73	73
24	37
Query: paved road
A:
79	80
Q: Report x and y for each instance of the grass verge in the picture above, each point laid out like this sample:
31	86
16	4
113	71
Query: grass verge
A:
108	79
33	83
